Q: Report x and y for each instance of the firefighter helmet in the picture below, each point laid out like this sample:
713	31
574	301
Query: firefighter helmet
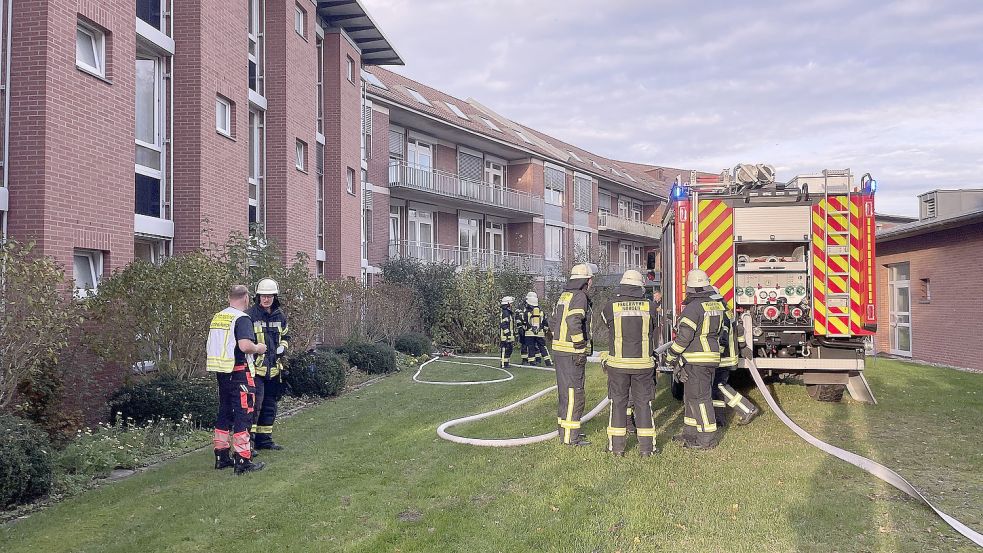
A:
267	287
507	300
632	278
697	279
532	299
582	271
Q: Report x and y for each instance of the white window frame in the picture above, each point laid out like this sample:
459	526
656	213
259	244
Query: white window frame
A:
97	39
490	124
94	260
584	249
351	69
257	135
300	21
350	181
163	17
457	111
584	180
554	196
300	156
160	117
257	37
418	97
553	250
223	126
319	84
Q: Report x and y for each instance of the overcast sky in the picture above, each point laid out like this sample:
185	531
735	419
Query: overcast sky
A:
894	88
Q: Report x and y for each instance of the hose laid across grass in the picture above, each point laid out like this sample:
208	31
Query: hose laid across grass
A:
492	442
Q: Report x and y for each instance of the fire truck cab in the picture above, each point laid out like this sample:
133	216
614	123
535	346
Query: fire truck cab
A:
797	256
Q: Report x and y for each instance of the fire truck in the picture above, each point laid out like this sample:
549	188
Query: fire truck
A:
797	256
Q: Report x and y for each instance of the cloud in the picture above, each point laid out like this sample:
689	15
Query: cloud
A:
890	87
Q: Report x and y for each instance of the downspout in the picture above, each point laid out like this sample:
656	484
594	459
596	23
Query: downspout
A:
6	109
170	131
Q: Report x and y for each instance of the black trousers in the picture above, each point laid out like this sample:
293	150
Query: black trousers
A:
699	420
268	391
506	348
638	387
570	373
536	350
236	398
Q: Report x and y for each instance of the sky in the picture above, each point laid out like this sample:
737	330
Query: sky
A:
894	88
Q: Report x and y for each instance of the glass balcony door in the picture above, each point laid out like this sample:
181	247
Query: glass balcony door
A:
899	284
420	234
419	159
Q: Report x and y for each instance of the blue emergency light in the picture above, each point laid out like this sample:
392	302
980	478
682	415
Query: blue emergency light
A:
868	183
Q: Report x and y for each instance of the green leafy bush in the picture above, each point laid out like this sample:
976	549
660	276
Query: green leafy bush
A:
168	397
316	373
414	343
25	461
371	358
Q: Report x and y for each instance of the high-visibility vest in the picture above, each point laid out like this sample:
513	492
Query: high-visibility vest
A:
632	324
221	344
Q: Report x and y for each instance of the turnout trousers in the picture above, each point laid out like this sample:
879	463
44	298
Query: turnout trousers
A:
268	392
570	373
236	398
506	349
639	387
699	420
537	351
724	396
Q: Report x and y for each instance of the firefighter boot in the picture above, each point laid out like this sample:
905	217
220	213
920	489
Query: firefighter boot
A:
222	459
272	446
243	465
746	418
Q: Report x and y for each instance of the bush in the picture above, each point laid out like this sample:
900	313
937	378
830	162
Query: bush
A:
371	358
168	397
316	373
25	461
414	343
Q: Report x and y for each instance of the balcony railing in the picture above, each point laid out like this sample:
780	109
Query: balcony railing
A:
463	257
610	222
449	185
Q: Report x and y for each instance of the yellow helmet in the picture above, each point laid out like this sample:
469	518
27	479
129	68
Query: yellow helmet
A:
632	278
697	279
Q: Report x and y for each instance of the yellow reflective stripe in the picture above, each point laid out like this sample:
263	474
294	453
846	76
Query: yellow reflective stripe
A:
630	363
619	339
702	357
704	332
708	428
575	312
719	403
686	321
706	419
567	347
577	338
677	348
263	429
737	399
646	432
689	421
253	429
612	431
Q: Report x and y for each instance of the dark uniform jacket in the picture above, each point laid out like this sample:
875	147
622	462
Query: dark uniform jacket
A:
573	311
271	329
701	325
534	322
631	322
506	327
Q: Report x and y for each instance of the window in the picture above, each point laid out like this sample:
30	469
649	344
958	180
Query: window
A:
257	42
319	85
581	246
418	97
554	243
457	111
151	251
523	137
636	211
583	193
367	130
149	11
319	183
300	20
488	123
373	80
300	160
351	70
87	267
596	165
926	290
350	181
223	116
575	156
257	167
90	49
555	181
149	119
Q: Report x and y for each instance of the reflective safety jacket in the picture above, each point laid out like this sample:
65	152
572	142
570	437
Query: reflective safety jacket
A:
631	322
701	325
506	327
534	322
573	311
732	344
271	329
221	346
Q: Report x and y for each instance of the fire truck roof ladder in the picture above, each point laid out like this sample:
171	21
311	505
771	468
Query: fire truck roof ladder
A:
837	303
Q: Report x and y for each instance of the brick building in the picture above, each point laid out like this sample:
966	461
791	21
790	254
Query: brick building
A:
928	281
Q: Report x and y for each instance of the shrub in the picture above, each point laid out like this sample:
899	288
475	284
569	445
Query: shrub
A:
168	397
41	403
414	343
316	373
25	461
371	358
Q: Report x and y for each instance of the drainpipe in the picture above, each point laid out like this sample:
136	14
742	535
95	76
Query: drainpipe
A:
170	130
6	108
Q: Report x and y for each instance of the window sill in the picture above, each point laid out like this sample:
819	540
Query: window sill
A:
301	36
88	71
225	135
301	169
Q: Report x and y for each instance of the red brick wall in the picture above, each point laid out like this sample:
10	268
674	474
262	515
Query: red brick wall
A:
291	115
526	177
342	121
445	159
447	229
945	330
379	176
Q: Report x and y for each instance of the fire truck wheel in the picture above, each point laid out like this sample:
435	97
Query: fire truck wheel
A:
826	392
676	389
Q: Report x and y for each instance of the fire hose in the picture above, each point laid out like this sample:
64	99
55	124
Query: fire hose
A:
872	467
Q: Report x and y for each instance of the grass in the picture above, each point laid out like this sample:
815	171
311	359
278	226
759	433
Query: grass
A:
366	472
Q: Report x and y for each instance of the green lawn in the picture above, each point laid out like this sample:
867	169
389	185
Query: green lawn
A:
367	472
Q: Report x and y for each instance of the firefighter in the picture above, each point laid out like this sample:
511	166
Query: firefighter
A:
231	345
506	330
724	396
535	328
571	348
520	331
270	326
697	350
630	364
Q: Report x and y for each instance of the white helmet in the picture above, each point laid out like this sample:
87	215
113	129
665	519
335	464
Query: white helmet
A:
267	287
507	300
697	279
582	271
632	278
532	299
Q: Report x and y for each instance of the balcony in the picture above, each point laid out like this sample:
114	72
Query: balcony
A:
469	193
609	222
461	257
611	273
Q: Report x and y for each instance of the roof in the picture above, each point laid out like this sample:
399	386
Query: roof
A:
887	217
918	228
398	89
352	16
